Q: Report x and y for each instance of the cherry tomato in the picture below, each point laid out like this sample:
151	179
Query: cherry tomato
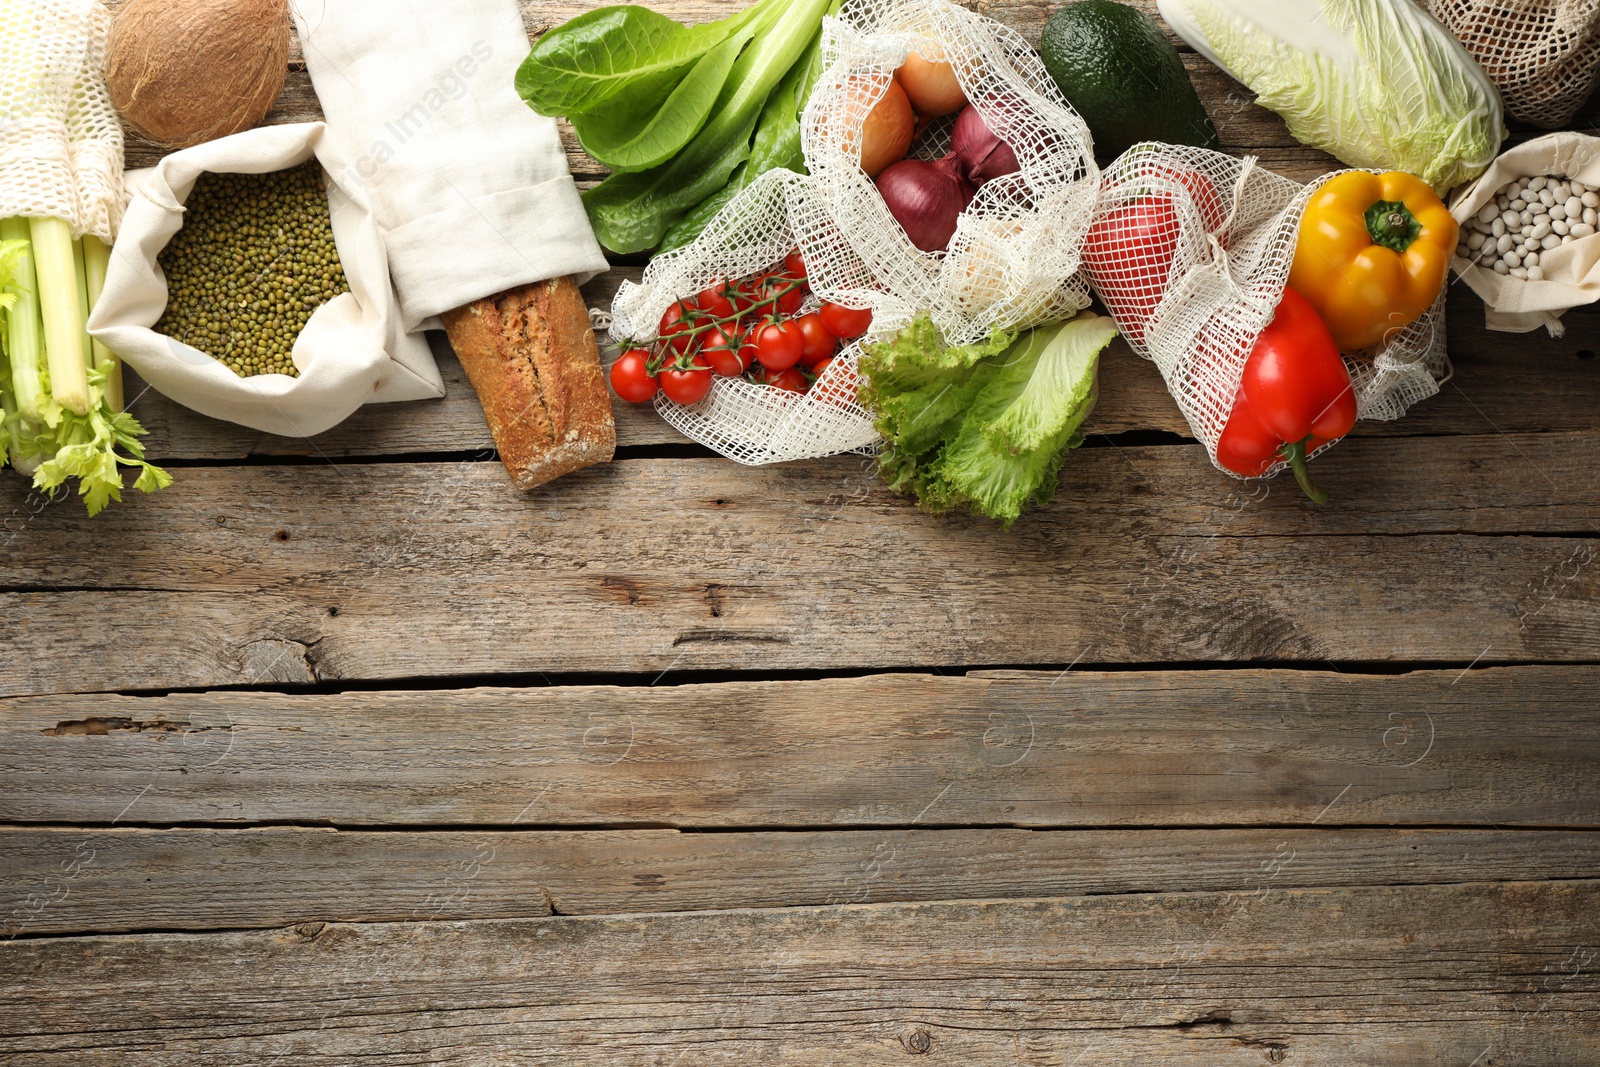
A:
630	377
748	349
790	380
714	300
817	343
845	323
777	282
842	390
794	265
676	324
742	295
689	385
779	345
722	353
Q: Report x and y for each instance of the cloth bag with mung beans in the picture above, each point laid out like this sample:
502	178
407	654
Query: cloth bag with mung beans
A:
352	350
1567	248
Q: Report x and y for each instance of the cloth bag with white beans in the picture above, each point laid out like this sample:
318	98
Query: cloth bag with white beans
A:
1561	233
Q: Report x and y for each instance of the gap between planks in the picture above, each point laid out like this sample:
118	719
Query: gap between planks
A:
120	880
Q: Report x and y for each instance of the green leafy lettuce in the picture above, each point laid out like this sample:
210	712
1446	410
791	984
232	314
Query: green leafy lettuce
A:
984	427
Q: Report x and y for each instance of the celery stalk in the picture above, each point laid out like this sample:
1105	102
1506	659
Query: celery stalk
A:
24	339
96	260
59	303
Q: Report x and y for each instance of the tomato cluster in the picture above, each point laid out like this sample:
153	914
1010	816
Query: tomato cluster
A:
749	328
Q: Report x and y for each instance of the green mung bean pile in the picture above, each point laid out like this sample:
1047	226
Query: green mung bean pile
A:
254	259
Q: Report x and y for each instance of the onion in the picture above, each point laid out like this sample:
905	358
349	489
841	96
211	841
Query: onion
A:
984	156
886	133
926	199
931	87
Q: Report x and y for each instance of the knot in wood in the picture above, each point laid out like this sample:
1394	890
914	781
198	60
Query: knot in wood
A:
917	1041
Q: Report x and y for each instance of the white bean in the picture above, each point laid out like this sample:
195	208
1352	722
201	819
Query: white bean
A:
1582	229
1504	243
1487	214
1497	228
1560	226
1512	259
1547	196
1559	211
1578	188
1511	219
1519	272
1591	216
1591	199
1525	217
1537	182
1574	206
1475	239
1550	242
1563	190
1536	274
1500	267
1518	204
1530	259
1539	229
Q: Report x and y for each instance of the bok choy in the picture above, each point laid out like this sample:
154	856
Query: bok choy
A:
681	114
1377	83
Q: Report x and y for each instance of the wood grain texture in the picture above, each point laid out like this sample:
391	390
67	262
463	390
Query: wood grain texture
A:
253	575
1435	974
1486	748
68	881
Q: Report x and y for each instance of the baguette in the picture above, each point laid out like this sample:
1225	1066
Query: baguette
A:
530	353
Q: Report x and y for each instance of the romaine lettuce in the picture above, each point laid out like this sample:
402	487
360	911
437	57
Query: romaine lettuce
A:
985	427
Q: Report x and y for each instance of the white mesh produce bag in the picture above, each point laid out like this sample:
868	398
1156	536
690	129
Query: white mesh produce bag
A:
1013	261
750	423
1196	285
60	141
1014	258
1543	55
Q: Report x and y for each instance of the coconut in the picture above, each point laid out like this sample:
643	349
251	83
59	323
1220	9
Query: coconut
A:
186	71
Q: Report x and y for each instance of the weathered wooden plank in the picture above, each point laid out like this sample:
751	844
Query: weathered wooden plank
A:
293	574
1484	748
1437	974
65	881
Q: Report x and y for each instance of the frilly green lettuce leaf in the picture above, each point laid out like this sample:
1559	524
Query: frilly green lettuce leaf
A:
983	427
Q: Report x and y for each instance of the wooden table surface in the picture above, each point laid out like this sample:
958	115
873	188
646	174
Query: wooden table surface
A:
342	750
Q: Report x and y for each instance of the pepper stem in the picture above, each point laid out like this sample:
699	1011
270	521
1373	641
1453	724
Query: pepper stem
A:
1295	453
1392	225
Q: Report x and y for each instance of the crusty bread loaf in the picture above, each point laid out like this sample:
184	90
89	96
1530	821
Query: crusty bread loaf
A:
530	353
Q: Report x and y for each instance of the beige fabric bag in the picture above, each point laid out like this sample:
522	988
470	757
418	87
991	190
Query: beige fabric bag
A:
1571	272
353	351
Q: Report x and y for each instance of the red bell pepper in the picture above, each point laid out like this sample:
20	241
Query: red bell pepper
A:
1295	396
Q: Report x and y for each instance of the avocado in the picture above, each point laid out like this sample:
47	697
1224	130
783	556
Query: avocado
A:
1119	71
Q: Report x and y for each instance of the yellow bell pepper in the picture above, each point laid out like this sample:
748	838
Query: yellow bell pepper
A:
1373	254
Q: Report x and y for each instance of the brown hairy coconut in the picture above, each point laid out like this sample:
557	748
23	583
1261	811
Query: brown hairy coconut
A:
186	71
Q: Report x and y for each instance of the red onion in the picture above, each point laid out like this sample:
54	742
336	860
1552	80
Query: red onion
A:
983	155
926	199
